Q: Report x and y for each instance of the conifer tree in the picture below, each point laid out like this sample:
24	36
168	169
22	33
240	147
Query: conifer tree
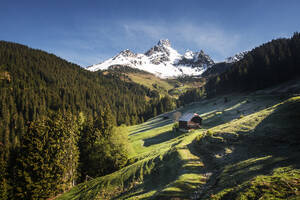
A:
154	112
47	159
3	173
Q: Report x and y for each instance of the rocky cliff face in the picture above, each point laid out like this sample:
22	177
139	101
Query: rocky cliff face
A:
196	60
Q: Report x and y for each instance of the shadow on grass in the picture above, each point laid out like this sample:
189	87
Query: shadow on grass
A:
163	137
130	194
152	125
273	143
225	112
166	171
238	170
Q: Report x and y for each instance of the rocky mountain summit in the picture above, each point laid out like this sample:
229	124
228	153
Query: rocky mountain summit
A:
196	60
161	60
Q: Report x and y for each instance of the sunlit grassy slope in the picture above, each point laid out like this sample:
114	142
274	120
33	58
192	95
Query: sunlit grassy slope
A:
171	87
248	148
151	81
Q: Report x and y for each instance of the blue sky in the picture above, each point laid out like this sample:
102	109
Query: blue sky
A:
89	31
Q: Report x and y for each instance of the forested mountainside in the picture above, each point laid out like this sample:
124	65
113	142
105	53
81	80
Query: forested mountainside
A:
267	65
34	82
217	69
45	98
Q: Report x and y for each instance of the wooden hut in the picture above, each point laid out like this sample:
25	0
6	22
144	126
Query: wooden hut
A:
190	121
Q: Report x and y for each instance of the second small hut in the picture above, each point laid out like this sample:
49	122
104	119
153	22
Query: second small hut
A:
190	121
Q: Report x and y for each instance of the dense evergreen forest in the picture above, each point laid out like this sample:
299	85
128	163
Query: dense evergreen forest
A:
57	122
267	65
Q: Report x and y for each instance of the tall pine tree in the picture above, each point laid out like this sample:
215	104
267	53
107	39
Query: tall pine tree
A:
47	159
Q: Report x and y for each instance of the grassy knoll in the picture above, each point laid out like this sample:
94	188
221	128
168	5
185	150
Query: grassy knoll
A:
169	86
248	142
151	81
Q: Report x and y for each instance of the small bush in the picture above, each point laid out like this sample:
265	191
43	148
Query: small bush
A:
209	133
199	137
176	127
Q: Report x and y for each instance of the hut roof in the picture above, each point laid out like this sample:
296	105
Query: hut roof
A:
188	116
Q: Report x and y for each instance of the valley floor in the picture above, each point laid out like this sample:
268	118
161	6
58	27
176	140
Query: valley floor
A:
248	148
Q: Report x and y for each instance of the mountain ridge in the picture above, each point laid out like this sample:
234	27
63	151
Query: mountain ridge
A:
161	60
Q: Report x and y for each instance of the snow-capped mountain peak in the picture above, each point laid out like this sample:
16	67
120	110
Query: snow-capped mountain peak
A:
165	43
161	60
188	54
127	53
163	52
201	57
198	60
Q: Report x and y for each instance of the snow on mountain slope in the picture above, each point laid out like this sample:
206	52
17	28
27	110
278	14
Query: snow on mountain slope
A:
161	60
236	57
198	60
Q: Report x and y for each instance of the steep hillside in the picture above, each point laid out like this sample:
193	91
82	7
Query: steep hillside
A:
217	69
52	111
269	64
265	66
150	81
158	86
34	83
247	148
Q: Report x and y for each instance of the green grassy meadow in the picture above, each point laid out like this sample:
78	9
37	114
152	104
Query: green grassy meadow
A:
248	148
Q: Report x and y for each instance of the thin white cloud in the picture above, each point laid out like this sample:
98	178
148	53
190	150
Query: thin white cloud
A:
205	36
209	37
96	42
